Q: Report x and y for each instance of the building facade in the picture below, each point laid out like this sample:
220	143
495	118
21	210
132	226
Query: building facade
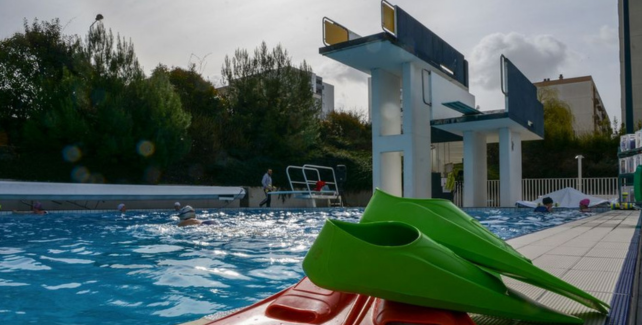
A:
629	12
584	101
324	93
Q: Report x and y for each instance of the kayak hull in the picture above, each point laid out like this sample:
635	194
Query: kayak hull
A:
306	303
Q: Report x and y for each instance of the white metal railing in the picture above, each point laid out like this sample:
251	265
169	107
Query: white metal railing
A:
533	188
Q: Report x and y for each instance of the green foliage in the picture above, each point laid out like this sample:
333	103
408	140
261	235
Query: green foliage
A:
159	118
88	106
558	119
31	65
209	116
86	111
346	130
272	111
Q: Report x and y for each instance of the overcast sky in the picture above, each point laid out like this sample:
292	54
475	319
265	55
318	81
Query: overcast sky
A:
544	38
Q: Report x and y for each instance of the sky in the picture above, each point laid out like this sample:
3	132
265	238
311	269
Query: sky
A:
544	38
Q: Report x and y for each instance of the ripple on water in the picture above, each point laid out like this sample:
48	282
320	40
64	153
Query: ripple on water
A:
9	283
275	272
62	286
181	280
67	260
15	263
155	249
10	250
225	273
131	266
184	305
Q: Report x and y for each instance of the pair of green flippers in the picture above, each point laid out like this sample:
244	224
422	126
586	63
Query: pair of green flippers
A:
428	252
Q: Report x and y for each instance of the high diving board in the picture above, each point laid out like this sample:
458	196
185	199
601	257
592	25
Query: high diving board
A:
10	190
462	108
303	180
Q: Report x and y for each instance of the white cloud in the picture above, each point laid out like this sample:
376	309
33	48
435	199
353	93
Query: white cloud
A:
606	36
341	73
538	57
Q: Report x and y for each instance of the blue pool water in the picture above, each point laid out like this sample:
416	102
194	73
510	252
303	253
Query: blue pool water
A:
139	268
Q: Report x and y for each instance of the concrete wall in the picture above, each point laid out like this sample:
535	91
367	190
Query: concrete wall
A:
635	37
254	197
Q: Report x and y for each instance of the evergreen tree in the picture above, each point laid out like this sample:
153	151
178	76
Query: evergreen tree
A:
271	106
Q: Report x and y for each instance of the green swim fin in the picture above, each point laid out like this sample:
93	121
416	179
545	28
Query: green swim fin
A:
395	261
448	225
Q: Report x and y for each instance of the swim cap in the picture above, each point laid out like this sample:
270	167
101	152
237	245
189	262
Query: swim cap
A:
585	202
121	206
187	212
177	204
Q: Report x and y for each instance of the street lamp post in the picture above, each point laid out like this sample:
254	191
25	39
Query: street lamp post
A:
579	172
99	17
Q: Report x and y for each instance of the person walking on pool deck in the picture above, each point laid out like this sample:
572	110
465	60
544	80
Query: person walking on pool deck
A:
267	188
546	207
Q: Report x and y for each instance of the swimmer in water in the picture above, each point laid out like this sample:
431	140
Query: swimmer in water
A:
122	208
188	217
36	208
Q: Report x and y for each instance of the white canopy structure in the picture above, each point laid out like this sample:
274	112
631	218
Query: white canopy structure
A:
565	198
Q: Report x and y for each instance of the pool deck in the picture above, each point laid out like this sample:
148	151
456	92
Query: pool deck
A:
598	254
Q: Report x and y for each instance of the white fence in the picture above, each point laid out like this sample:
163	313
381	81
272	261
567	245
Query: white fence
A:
533	188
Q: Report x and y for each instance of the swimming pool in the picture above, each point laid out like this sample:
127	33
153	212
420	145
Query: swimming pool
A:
139	267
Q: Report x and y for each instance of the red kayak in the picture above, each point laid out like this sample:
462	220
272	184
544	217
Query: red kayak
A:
306	303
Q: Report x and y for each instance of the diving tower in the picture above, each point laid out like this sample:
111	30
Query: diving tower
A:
418	91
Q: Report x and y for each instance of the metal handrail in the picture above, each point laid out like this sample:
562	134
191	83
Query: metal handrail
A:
502	71
423	88
307	182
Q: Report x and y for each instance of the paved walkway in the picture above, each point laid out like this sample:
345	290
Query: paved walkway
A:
590	253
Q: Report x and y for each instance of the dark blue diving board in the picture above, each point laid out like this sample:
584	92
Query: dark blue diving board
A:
462	108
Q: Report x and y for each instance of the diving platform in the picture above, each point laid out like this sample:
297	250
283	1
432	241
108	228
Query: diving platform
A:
312	182
419	95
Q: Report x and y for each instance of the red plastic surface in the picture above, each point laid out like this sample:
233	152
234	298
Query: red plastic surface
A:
306	303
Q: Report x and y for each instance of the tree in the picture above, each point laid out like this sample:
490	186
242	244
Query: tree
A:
202	101
160	120
346	130
59	93
32	65
271	107
558	119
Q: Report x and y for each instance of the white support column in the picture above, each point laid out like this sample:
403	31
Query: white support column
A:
475	172
416	131
386	121
510	167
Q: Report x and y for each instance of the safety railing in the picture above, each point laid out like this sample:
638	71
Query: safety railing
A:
533	188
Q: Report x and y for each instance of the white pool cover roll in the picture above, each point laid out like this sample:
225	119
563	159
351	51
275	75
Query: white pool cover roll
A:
565	198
